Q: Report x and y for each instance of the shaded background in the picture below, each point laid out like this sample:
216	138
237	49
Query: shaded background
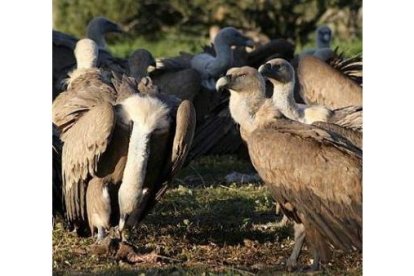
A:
167	27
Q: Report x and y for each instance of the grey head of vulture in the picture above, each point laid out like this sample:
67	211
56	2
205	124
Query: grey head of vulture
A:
117	156
323	37
98	27
315	174
140	62
211	67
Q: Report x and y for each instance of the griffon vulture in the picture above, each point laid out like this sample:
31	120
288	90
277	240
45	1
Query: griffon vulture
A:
282	76
315	174
63	45
117	156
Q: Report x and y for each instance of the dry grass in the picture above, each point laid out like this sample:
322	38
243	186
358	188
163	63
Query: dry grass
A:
203	226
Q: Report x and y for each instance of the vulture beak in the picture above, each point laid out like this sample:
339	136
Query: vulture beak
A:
118	29
223	83
249	43
152	66
266	70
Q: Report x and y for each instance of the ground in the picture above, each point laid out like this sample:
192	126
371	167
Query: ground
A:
203	226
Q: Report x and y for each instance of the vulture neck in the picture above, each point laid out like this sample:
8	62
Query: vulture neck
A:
94	33
138	73
131	190
224	55
321	44
243	109
285	102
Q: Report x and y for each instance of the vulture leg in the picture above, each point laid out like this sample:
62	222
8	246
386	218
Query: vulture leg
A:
101	234
320	249
282	222
299	239
284	219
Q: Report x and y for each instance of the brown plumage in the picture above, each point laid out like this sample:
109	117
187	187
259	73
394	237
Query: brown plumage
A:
315	174
118	154
324	85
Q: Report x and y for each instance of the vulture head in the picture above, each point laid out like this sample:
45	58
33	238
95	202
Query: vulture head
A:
231	36
139	62
98	27
278	71
242	80
323	37
86	53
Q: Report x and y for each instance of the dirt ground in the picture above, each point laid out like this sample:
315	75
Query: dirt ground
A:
203	226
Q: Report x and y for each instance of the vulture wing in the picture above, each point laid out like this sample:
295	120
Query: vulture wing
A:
318	172
324	85
86	120
348	117
184	133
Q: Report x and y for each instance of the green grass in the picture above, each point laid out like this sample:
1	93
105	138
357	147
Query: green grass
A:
207	227
349	47
170	45
166	46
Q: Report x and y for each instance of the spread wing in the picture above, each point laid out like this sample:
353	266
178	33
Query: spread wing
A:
318	172
321	84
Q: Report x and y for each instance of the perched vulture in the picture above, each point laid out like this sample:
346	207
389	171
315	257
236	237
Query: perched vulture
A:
119	153
320	83
63	45
315	174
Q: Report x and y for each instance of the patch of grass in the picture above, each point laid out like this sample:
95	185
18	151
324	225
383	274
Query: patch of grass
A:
208	229
349	47
167	46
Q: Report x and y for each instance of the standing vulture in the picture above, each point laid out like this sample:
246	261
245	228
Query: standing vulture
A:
315	174
119	153
63	45
282	76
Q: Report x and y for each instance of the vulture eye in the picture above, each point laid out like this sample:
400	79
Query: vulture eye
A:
241	76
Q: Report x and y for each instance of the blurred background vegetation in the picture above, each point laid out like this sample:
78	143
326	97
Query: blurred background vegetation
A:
166	27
